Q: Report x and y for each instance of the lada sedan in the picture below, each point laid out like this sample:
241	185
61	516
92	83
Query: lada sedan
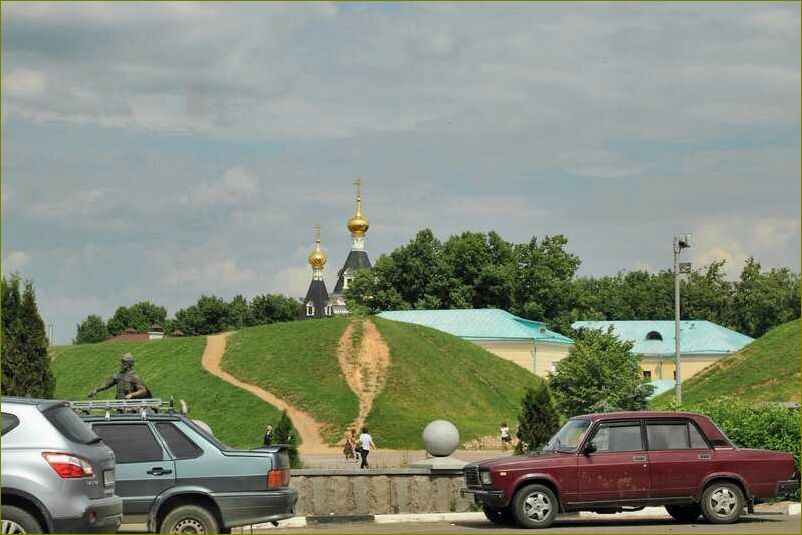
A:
625	461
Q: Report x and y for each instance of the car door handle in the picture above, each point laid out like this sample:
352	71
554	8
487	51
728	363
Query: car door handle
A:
159	471
704	457
639	458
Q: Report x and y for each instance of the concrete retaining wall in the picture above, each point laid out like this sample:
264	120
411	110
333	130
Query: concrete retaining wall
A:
374	492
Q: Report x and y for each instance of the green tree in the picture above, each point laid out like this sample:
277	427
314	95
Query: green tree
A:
273	308
139	316
763	300
209	315
239	312
91	330
284	433
599	374
538	420
25	363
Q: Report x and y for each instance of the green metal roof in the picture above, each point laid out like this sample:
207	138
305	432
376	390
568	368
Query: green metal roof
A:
479	324
697	337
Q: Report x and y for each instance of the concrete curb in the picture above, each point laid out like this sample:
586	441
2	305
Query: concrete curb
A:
792	509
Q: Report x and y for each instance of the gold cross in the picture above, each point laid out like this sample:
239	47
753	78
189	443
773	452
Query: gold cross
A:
358	184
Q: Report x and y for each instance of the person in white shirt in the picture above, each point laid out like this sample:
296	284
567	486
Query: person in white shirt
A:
505	436
365	445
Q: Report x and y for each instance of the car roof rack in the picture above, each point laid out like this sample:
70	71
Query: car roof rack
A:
131	406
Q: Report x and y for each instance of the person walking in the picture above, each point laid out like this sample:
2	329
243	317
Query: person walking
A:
349	448
365	445
268	438
505	436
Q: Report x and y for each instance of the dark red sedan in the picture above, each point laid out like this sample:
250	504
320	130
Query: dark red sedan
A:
625	461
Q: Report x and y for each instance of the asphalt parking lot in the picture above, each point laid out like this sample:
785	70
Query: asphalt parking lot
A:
764	523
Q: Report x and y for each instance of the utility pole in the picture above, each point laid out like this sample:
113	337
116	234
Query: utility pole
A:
680	243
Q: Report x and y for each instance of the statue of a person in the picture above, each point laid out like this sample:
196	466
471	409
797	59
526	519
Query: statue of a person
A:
129	384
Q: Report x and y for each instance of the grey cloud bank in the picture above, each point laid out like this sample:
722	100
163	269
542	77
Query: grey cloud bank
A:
158	151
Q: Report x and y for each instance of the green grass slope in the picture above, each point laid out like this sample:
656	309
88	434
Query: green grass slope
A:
434	375
765	370
297	361
168	367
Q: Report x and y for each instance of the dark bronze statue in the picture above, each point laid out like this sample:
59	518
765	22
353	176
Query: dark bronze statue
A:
129	384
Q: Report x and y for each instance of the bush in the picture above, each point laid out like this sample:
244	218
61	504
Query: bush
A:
769	427
538	420
284	433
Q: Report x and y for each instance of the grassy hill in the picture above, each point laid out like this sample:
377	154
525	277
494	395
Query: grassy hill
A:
765	370
434	375
297	361
168	367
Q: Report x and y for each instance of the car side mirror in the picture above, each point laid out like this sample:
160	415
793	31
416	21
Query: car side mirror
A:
589	448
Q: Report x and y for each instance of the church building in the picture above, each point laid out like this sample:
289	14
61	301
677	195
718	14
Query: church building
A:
317	303
357	257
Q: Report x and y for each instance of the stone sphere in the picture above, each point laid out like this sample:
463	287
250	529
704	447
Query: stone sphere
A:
440	438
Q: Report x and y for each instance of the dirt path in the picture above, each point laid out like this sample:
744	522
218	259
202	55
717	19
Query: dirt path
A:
365	367
308	428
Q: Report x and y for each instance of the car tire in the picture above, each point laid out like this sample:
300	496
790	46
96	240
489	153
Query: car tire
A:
535	506
16	520
499	515
722	502
685	513
189	519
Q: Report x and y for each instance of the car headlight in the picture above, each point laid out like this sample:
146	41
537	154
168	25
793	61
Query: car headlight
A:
484	477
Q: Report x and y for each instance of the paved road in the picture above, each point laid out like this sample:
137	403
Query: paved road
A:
767	523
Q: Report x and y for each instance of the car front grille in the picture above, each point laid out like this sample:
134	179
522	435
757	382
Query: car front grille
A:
472	477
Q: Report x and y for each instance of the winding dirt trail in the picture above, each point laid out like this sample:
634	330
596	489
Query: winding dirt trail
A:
365	367
306	426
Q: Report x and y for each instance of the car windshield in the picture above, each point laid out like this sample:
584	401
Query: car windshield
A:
569	437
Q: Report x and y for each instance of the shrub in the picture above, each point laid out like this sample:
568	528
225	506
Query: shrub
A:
284	433
538	420
770	427
91	330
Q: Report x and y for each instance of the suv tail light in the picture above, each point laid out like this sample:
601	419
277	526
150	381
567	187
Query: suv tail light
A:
68	466
278	478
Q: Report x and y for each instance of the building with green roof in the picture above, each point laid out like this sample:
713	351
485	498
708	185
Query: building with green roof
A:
525	342
701	344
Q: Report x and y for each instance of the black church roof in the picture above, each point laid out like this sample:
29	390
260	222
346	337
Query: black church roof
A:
356	260
319	296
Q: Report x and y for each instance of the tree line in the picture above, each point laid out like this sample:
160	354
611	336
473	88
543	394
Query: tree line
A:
208	315
538	280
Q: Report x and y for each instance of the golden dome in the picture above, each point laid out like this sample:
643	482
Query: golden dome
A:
358	224
317	258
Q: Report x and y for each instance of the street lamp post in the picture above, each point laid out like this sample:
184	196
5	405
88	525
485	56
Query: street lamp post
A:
680	243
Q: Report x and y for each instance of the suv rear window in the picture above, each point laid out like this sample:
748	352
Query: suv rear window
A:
180	446
131	443
9	422
67	422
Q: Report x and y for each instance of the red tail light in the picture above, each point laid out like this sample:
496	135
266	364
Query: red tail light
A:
68	466
278	478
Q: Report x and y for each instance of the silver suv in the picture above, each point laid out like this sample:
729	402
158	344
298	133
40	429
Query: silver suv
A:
56	474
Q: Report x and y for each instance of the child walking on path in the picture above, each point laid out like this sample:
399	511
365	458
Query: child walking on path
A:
365	445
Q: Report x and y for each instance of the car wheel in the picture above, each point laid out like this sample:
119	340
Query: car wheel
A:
535	506
189	519
16	520
684	513
499	515
722	503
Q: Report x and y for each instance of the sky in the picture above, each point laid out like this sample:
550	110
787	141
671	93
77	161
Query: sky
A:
160	151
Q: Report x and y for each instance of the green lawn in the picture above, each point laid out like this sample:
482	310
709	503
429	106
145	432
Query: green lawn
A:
168	367
297	361
765	370
434	375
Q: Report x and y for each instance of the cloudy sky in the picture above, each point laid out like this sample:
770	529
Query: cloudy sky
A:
160	151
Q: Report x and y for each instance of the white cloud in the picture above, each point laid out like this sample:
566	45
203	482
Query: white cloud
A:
214	272
16	261
292	281
24	83
235	186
